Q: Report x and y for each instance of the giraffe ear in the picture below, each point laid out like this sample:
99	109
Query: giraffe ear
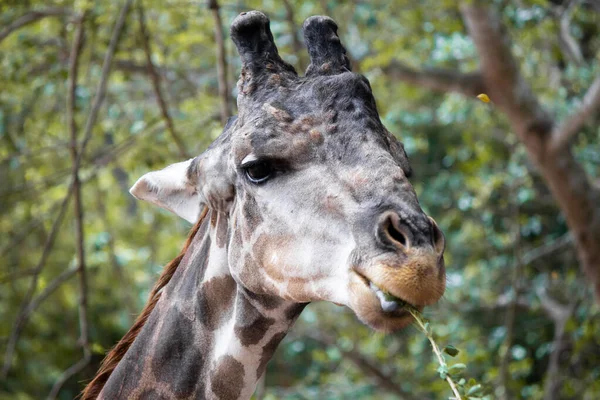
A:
171	189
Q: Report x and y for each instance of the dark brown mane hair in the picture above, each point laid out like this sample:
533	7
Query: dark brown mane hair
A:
112	359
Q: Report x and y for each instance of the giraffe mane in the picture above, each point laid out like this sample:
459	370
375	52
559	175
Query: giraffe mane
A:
112	359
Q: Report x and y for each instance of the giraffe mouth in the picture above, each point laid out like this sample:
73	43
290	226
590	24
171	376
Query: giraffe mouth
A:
379	309
390	304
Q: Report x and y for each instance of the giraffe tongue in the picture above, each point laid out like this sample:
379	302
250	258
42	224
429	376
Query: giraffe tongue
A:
388	302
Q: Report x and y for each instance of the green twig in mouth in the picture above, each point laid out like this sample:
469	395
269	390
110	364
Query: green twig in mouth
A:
390	297
443	369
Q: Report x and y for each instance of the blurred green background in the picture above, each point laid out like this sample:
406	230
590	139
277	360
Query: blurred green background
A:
517	305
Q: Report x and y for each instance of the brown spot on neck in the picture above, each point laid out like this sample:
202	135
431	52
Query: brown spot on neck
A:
251	325
215	301
227	380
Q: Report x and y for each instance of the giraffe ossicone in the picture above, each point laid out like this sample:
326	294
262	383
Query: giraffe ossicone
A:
304	197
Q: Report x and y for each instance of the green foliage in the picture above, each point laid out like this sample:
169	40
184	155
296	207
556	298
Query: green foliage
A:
451	350
471	175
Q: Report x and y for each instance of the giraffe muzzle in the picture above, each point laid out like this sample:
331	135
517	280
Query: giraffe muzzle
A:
408	270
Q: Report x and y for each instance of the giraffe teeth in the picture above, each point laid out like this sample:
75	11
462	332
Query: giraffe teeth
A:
389	303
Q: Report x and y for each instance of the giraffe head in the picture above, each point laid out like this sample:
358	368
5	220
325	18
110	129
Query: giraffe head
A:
315	188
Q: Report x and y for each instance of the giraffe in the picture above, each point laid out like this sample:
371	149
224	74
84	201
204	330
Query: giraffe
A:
305	196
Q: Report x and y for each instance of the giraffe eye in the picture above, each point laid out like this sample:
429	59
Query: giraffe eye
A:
259	171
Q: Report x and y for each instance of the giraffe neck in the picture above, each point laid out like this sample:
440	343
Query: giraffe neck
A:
208	337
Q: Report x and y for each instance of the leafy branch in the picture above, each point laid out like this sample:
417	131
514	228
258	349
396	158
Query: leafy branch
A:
474	390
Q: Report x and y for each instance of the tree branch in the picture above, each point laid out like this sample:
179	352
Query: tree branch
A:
28	304
97	103
560	314
221	62
78	211
573	51
12	276
567	180
511	312
500	71
547	248
590	105
78	208
22	315
440	80
49	289
155	77
101	90
31	17
189	77
18	236
128	295
78	156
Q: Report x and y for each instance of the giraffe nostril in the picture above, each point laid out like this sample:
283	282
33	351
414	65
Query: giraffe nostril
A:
396	235
391	232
